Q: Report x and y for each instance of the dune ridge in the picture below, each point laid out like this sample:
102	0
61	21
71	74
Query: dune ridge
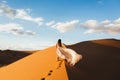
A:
108	42
35	67
100	61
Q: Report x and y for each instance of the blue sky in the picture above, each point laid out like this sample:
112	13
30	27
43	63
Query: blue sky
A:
37	24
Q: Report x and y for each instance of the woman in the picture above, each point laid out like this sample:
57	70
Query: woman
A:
68	54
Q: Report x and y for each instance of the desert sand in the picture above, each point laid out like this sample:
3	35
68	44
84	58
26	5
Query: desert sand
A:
35	67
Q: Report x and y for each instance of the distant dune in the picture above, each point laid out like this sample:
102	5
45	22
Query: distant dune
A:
101	60
10	56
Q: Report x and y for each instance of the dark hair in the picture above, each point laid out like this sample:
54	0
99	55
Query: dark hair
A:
59	42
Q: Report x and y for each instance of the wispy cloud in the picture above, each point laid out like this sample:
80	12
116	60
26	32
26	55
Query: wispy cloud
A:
22	14
50	23
15	29
4	1
106	26
19	14
29	32
63	27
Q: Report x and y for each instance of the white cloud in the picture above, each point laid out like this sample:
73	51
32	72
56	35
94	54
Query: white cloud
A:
90	24
19	14
15	29
22	14
106	26
7	10
50	23
11	28
65	26
117	21
105	22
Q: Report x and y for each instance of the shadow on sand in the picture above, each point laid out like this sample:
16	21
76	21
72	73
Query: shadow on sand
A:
99	62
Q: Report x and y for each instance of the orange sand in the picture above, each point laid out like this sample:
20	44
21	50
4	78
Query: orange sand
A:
34	67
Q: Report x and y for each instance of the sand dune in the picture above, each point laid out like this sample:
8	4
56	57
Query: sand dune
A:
10	56
101	60
34	67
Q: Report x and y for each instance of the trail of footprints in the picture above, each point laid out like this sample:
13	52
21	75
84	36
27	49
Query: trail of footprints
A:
51	71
